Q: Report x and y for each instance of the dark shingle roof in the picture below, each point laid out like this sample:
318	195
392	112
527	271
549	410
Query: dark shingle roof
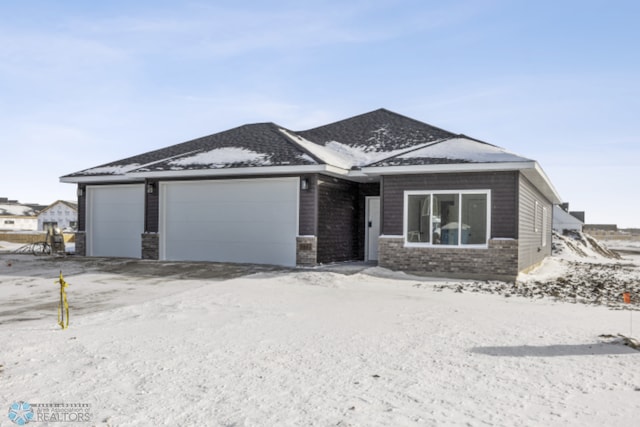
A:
458	150
380	131
260	144
378	138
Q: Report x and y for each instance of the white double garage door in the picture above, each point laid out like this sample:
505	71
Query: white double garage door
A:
248	221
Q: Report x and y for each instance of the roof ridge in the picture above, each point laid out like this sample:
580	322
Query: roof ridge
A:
288	136
409	150
415	120
386	111
321	150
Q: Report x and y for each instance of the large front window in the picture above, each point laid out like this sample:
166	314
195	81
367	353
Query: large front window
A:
453	218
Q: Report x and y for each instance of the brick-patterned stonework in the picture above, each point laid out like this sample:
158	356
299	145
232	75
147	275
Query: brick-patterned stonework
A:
499	261
150	246
81	243
306	250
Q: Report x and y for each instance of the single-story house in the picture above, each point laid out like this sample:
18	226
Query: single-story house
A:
376	187
564	220
15	216
59	214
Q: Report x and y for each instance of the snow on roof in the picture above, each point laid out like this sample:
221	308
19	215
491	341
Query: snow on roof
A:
222	157
16	210
362	155
380	138
111	170
564	220
328	156
464	149
342	155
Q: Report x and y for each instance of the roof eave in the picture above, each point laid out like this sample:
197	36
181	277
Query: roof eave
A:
87	179
530	169
448	167
260	170
540	179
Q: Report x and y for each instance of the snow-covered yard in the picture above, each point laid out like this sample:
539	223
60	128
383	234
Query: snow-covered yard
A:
311	347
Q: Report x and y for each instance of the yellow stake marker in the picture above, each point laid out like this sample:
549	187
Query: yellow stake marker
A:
64	305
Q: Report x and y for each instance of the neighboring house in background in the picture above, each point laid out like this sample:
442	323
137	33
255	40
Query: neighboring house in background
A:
378	186
15	216
60	214
565	220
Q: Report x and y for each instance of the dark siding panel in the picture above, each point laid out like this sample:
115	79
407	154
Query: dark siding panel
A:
337	220
308	217
82	209
503	186
152	208
530	249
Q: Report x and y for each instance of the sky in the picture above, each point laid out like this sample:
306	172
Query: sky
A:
86	83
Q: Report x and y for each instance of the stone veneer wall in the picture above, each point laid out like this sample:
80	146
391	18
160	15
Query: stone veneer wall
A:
150	246
499	261
306	250
81	243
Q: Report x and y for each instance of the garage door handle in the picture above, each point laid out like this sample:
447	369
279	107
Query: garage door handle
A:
370	224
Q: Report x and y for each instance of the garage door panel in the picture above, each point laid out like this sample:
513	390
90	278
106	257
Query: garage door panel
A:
251	221
229	252
115	220
240	211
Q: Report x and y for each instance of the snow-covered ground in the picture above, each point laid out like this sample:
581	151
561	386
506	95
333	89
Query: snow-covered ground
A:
358	347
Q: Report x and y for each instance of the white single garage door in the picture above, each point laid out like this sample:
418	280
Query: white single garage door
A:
115	220
246	221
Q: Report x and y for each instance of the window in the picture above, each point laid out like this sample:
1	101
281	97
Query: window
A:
544	227
49	225
9	221
446	218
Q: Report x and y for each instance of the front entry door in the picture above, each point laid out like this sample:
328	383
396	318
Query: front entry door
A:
372	227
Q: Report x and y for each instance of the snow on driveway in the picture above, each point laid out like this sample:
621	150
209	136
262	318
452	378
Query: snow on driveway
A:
308	347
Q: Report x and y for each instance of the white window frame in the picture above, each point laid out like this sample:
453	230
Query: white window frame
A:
544	227
431	193
536	206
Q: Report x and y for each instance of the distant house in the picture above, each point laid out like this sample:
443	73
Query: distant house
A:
15	216
376	187
60	214
564	220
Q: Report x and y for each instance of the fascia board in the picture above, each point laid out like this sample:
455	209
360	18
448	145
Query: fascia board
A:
97	178
269	170
531	170
540	179
448	168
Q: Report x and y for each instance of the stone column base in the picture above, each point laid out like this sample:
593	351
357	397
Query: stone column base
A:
150	246
81	243
306	251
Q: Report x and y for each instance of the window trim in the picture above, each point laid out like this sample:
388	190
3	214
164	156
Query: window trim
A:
431	193
544	226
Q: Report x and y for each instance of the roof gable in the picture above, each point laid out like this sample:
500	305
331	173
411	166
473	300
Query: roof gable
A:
71	205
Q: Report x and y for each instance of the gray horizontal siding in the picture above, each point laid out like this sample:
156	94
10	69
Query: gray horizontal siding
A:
503	186
530	249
